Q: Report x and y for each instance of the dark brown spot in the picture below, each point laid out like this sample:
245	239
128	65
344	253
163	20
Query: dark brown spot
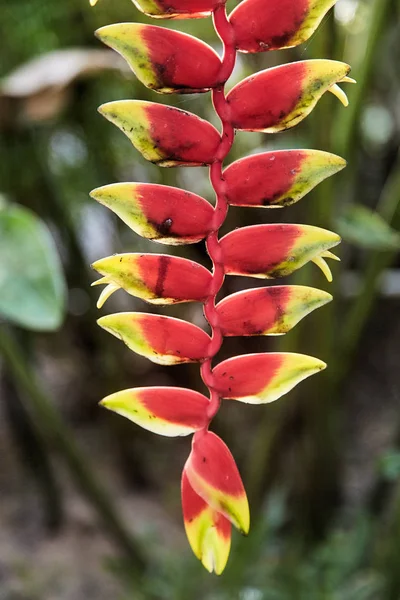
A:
161	69
163	265
272	291
165	226
278	41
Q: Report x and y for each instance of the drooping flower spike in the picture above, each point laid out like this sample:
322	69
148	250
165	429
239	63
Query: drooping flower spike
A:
273	100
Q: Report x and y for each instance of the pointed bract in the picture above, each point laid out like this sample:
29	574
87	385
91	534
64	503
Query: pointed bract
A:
168	411
276	179
161	213
277	99
213	474
163	340
274	250
263	378
259	26
164	60
177	9
156	278
273	310
165	135
208	531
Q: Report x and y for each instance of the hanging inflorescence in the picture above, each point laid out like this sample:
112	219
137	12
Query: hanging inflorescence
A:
213	496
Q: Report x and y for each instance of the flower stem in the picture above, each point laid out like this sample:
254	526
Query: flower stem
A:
221	106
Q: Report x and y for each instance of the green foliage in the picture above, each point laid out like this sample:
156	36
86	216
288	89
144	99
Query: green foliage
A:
271	565
367	229
389	465
31	277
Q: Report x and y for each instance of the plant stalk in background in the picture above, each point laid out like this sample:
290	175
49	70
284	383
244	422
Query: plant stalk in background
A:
213	495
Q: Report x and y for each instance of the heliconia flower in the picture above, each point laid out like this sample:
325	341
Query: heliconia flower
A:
164	60
208	531
280	178
273	100
158	212
276	250
156	278
277	99
273	310
273	374
259	26
165	135
163	340
168	411
213	474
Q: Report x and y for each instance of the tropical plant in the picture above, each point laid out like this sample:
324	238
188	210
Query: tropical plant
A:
270	101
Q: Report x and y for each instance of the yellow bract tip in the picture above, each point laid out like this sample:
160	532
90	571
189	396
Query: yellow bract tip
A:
101	281
106	293
320	262
348	80
328	254
339	93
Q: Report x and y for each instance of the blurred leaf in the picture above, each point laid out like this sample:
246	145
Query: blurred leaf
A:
40	88
31	277
365	228
389	465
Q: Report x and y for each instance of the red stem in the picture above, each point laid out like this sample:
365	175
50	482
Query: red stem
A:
221	106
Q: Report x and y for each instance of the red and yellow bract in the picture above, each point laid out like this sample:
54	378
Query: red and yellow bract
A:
273	310
163	340
273	100
208	531
268	251
272	375
156	278
164	410
276	179
155	211
165	135
164	60
259	26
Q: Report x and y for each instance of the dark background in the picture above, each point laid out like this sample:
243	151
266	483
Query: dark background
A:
90	504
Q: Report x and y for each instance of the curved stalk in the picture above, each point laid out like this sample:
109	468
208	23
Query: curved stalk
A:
225	32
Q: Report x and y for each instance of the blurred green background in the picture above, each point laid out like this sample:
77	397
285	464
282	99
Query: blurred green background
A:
90	505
